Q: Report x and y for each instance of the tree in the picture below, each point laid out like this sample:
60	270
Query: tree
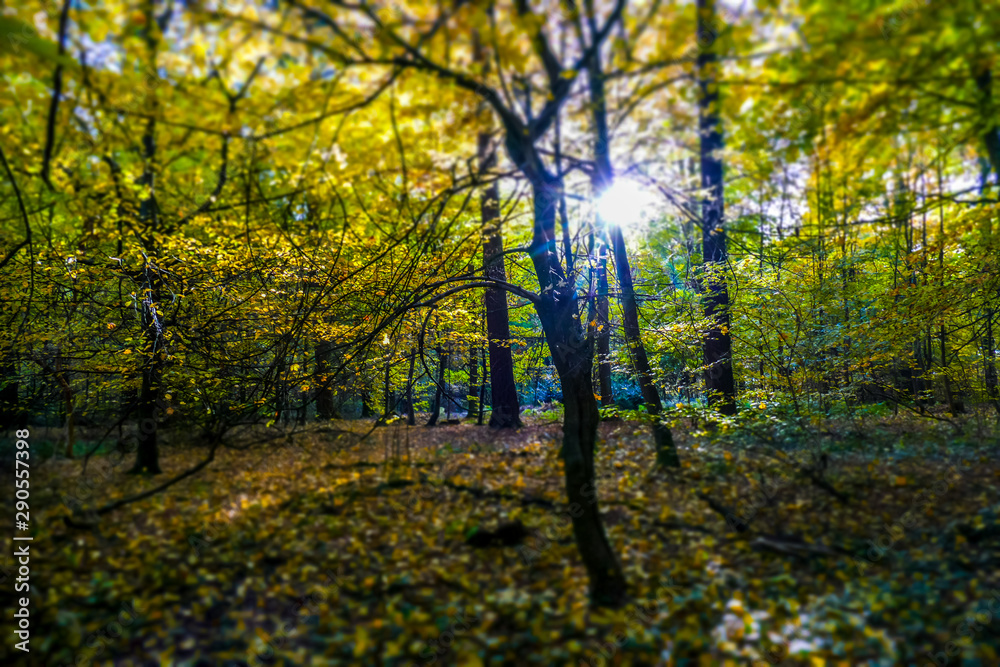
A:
666	452
505	409
718	346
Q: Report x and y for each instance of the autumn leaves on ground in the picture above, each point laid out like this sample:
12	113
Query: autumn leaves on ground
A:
452	545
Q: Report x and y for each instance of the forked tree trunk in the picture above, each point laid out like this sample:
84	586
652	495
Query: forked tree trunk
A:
573	356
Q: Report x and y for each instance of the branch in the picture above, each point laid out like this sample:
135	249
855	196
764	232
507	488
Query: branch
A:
57	81
146	494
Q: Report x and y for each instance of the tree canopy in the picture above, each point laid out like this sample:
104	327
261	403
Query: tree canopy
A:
670	253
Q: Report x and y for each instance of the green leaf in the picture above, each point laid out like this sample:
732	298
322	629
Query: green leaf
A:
21	36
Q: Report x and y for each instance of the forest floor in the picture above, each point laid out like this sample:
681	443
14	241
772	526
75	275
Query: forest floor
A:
871	543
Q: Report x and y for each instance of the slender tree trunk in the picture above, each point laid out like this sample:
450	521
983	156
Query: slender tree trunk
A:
10	409
506	411
436	408
323	381
473	393
482	388
666	452
719	380
67	392
411	417
388	403
991	141
989	359
602	311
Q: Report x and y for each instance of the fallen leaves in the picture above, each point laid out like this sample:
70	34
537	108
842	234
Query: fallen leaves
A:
233	559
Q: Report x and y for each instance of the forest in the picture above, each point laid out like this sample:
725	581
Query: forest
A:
500	332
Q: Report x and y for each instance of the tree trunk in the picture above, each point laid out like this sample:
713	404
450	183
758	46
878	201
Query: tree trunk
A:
67	392
147	458
666	452
719	382
482	389
506	411
602	311
438	389
387	402
473	393
573	356
10	410
411	417
991	140
324	388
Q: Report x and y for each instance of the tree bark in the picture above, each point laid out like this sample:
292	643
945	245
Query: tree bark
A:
573	356
411	416
436	408
666	451
719	381
67	392
506	410
147	455
324	388
602	312
482	388
991	141
473	394
147	459
10	410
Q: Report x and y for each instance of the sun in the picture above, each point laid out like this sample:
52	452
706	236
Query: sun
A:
625	203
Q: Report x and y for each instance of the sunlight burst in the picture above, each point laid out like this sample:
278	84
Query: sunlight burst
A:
625	203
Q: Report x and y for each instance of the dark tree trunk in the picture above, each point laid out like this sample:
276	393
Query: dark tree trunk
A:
147	455
506	410
666	452
719	381
68	403
411	417
473	394
989	358
602	312
573	356
438	389
280	388
991	141
387	403
366	407
955	403
482	389
324	383
11	414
